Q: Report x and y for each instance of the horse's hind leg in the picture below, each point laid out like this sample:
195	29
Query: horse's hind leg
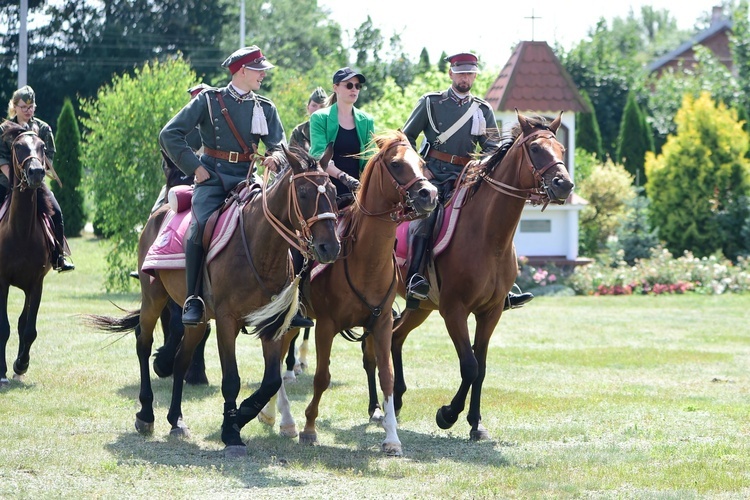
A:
144	337
369	364
4	334
485	327
27	330
196	374
409	320
193	336
171	323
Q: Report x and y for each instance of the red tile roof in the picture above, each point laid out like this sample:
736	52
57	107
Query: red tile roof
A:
534	80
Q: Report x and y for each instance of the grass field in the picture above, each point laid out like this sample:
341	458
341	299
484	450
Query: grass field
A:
603	397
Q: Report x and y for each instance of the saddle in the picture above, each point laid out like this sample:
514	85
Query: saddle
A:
46	221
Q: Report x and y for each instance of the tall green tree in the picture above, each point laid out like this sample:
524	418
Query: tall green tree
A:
740	44
121	153
701	175
634	140
588	136
68	167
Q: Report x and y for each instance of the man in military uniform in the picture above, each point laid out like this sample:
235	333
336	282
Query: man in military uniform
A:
229	142
300	137
455	125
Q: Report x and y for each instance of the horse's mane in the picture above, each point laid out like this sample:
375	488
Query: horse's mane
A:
11	130
380	143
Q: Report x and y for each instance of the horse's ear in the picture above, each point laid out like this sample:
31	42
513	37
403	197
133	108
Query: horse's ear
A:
524	123
327	155
556	123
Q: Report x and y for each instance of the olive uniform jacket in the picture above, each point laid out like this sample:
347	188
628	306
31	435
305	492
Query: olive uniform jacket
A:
300	137
324	126
204	112
44	132
445	111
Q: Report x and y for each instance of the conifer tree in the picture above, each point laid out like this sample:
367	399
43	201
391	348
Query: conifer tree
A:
588	136
67	164
634	140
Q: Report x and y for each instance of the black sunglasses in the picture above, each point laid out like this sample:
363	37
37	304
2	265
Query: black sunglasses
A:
350	85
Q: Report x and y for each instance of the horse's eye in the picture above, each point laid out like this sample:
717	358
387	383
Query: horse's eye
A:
534	148
395	164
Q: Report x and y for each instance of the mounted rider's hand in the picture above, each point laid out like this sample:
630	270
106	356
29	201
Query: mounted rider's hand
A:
270	163
349	181
201	175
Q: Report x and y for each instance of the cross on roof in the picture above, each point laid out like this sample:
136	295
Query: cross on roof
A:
533	17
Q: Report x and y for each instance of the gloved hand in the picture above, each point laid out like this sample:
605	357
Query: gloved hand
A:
349	181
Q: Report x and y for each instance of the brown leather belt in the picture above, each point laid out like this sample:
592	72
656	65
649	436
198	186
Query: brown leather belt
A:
230	156
454	159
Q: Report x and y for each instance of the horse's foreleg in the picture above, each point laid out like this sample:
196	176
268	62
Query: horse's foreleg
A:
304	349
369	363
144	419
410	319
323	341
249	409
227	328
171	324
183	358
27	329
485	327
290	375
382	338
4	334
459	332
196	374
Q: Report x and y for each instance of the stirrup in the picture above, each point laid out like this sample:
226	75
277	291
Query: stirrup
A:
418	287
191	317
62	265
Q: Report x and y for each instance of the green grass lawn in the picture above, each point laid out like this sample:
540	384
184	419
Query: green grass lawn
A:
625	397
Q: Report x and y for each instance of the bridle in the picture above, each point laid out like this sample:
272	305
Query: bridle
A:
404	209
21	181
539	194
301	239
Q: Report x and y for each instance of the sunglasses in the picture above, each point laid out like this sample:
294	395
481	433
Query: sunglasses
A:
350	85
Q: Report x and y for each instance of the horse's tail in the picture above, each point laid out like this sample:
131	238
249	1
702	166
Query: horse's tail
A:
272	321
114	325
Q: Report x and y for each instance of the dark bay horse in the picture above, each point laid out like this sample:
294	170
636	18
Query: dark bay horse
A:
252	272
359	288
24	247
478	268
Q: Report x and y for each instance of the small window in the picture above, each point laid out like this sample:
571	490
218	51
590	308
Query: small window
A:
536	226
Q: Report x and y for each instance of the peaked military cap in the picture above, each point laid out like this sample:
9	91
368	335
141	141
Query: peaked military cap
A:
249	57
195	90
25	94
464	62
319	95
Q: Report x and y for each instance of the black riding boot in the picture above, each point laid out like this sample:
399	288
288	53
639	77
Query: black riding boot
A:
417	286
299	321
59	263
193	313
516	300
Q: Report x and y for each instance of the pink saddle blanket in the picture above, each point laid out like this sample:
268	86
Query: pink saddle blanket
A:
168	251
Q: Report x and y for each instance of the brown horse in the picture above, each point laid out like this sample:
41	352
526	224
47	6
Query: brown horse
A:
24	248
359	288
476	271
253	271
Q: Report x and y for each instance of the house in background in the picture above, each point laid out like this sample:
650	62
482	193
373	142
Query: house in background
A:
535	82
715	38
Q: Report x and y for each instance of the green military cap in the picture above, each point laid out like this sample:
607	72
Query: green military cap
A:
249	57
25	94
319	95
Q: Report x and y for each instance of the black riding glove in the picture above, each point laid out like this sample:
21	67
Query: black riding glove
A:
349	181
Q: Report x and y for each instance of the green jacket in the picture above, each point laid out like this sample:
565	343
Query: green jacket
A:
324	126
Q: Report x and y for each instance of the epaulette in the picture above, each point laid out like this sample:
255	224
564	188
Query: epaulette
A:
264	99
482	101
432	94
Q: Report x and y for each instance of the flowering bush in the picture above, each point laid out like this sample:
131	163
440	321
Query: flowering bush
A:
662	273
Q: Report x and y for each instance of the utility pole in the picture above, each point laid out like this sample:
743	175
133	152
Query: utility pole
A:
23	45
242	23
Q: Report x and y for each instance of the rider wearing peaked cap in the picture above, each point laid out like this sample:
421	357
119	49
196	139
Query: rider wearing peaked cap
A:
300	136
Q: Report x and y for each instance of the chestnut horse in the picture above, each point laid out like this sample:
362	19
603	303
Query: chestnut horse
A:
478	268
360	287
24	247
253	271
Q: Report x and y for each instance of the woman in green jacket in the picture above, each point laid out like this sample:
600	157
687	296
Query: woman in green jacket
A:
349	129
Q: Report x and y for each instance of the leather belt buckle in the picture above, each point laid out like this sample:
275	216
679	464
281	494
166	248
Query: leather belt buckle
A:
234	157
451	160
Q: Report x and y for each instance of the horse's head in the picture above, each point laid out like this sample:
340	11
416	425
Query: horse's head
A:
312	206
546	156
29	160
398	165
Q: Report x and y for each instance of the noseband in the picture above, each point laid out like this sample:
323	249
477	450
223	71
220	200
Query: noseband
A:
538	195
404	209
302	239
19	168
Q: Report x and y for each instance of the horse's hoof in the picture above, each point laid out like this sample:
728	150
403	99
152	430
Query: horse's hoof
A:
442	421
308	438
19	377
479	434
4	382
298	369
392	449
269	420
144	427
235	451
18	370
377	416
290	377
289	431
302	366
161	372
180	431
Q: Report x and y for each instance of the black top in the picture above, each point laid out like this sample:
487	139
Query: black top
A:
345	150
